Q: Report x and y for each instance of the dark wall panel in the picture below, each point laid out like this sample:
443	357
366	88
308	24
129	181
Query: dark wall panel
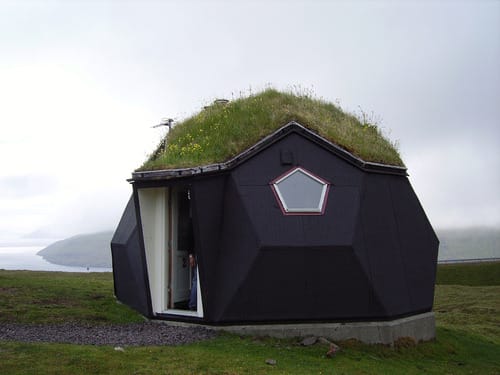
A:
334	228
266	166
419	244
127	224
238	250
208	202
296	284
271	226
382	246
376	309
128	268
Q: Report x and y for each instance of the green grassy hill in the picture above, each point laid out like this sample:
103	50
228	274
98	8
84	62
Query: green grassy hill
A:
221	131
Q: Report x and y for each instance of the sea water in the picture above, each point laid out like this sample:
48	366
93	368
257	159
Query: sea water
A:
26	258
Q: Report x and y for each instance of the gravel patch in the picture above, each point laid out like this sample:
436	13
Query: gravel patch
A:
138	334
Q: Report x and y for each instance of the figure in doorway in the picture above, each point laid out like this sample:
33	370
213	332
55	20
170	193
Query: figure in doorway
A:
193	297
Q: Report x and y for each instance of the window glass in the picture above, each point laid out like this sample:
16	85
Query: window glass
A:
300	191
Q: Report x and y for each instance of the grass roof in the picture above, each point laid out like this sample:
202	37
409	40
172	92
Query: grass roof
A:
222	131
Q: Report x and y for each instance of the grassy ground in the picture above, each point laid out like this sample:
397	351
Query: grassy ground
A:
55	297
468	335
472	274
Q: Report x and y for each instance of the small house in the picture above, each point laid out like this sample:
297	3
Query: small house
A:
295	228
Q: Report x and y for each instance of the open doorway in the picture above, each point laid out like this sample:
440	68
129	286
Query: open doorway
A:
168	240
182	247
183	297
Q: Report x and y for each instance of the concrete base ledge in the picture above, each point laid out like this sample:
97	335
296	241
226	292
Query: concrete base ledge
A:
420	327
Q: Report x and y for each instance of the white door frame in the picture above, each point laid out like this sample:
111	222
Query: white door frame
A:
158	215
154	219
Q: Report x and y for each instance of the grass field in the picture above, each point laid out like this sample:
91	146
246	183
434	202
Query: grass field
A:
467	306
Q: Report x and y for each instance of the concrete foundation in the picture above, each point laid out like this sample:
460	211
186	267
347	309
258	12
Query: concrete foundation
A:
420	327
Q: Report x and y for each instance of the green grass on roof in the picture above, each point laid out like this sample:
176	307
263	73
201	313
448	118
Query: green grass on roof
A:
220	132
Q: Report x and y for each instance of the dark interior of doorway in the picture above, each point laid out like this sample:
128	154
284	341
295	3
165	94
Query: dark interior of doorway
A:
185	239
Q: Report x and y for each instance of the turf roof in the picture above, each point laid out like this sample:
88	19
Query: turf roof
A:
221	131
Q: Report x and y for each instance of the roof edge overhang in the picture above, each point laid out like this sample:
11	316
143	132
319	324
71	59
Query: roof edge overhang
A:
291	127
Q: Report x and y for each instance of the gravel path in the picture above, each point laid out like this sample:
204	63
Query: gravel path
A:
115	335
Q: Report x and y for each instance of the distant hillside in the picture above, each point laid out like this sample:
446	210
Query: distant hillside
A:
469	243
84	250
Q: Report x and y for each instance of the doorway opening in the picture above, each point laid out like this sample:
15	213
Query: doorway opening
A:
182	246
168	240
181	268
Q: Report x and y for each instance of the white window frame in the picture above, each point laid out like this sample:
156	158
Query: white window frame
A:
287	210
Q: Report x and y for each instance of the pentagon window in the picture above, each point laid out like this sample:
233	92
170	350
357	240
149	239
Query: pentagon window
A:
300	192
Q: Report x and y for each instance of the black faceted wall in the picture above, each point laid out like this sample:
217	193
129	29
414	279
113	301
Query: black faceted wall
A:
370	255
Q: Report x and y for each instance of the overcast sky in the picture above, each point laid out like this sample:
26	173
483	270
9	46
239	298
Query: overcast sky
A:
82	82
